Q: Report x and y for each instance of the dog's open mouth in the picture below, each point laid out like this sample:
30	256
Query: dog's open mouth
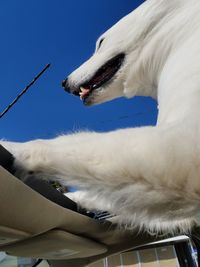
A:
103	75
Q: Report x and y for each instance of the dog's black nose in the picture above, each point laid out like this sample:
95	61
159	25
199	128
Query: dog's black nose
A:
66	85
64	82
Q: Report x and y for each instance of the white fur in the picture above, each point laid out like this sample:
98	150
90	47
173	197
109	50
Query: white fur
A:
150	176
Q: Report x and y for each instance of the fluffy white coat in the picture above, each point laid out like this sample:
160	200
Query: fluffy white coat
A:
150	176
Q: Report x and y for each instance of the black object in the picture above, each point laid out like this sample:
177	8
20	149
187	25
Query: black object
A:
196	240
45	189
6	159
184	254
37	263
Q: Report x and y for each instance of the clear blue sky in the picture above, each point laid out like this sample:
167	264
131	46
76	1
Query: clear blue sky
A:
63	33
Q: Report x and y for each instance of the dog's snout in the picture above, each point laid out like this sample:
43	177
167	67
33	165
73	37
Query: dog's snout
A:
68	88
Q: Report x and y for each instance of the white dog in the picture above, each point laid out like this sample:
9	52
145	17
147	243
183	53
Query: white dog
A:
150	176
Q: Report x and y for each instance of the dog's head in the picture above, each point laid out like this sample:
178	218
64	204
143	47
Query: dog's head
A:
102	77
117	68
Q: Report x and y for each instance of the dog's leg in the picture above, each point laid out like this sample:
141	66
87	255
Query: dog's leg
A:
86	200
151	170
154	155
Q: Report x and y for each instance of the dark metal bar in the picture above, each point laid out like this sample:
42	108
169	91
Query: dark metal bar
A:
184	254
196	241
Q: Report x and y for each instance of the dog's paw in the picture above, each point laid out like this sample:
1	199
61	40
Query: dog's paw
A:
21	156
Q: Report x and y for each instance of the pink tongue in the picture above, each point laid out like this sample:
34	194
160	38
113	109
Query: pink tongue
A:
83	93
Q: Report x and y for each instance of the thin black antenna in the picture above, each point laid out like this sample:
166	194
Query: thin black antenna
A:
24	91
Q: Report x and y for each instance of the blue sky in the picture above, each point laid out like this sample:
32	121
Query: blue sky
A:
34	33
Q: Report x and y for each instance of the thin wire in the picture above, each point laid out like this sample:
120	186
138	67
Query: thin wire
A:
24	91
123	117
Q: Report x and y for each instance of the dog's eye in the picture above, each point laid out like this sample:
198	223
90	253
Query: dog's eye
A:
100	43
